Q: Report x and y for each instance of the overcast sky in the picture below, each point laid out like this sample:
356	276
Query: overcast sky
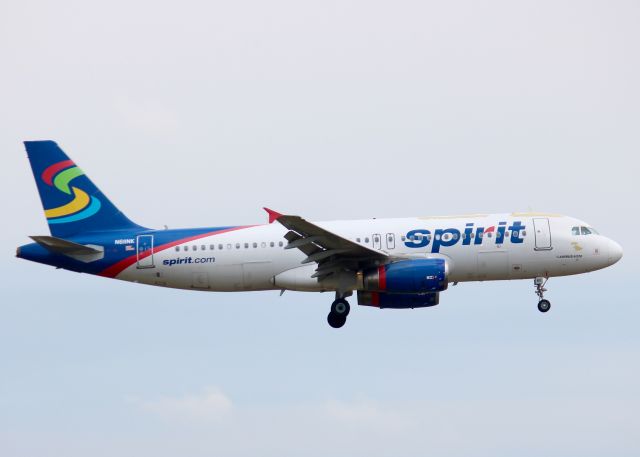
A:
199	113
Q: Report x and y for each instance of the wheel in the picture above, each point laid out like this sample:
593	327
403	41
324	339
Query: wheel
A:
340	307
335	320
544	306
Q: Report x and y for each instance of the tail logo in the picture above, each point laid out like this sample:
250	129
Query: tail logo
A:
83	205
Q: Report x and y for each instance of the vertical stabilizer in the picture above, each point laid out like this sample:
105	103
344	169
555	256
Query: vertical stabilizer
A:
72	203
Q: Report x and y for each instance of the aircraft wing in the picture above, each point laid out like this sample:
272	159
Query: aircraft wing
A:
331	252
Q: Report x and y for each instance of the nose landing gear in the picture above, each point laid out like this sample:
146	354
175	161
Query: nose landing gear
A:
339	311
543	305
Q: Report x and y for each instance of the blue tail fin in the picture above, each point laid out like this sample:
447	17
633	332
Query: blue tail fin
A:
72	203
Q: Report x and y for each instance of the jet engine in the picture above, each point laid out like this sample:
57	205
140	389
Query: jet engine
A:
418	276
397	301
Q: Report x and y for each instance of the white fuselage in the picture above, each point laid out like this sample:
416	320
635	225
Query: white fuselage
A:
476	247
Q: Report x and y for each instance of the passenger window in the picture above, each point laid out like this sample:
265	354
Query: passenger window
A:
203	247
229	246
280	243
246	245
220	247
212	246
358	240
366	240
490	234
177	248
524	233
575	231
403	238
263	245
255	245
272	244
194	248
237	245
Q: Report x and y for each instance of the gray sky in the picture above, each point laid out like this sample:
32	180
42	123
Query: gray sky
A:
200	113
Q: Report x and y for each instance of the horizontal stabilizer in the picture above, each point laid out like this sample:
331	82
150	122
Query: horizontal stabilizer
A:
84	253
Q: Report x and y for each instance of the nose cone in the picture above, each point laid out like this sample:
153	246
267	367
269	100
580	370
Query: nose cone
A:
615	252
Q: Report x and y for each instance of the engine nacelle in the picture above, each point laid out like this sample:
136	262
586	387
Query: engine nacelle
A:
397	301
417	276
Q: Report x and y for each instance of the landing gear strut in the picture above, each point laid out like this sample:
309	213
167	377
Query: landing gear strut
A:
543	305
339	311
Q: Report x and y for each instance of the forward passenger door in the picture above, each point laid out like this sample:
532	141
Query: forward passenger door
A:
542	232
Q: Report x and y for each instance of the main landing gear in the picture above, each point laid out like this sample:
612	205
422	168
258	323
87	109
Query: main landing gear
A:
543	305
339	311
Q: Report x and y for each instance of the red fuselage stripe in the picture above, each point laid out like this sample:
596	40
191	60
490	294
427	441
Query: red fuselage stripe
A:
118	267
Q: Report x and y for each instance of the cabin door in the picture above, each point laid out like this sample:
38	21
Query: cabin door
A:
542	234
144	250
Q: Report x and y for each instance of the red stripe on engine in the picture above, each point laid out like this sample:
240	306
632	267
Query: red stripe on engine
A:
118	267
47	174
382	278
375	299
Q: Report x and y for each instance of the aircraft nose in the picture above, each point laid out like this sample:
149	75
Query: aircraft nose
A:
615	252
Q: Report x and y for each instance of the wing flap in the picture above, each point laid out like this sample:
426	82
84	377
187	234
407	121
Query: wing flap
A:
324	239
333	253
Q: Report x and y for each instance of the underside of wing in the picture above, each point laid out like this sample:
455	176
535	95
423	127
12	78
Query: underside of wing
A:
332	253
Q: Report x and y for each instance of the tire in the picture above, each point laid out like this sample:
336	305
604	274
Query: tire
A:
336	321
544	306
340	308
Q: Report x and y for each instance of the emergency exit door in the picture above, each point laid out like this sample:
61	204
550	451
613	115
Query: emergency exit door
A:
377	241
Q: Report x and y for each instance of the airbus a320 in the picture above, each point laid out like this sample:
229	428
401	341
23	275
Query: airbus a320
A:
389	263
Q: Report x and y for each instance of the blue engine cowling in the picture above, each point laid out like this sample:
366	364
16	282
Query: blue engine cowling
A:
408	276
397	301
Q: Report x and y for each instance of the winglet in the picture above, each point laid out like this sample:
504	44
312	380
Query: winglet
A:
273	215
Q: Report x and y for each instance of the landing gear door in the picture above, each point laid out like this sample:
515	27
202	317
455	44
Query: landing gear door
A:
542	234
144	251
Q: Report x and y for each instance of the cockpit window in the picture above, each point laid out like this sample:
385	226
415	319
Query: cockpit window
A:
584	231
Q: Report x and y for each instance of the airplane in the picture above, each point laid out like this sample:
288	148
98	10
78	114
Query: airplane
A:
389	263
